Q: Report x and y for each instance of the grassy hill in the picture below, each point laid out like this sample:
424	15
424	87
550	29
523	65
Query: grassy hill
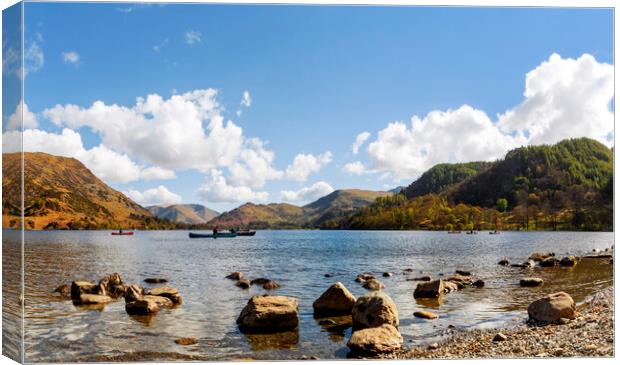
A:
184	213
320	213
62	193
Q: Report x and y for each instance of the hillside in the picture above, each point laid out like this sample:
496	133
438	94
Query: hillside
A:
184	213
566	186
260	216
333	206
62	193
442	176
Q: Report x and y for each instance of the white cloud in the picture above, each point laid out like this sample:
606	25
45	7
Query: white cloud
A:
356	168
306	164
317	190
217	190
156	196
564	98
33	58
246	101
14	121
193	36
71	57
254	166
157	173
359	141
158	47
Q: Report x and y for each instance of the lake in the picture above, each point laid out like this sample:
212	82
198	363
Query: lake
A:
56	330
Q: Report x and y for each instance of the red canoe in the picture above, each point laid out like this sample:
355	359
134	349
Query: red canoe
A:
122	233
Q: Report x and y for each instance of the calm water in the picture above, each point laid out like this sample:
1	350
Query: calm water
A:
56	330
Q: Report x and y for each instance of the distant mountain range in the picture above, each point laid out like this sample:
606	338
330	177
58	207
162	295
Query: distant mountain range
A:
61	193
184	213
323	213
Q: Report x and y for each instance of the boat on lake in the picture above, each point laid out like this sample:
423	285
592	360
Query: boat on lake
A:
212	235
121	233
244	232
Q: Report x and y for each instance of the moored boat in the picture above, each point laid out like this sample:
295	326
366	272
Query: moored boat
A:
211	235
245	232
121	233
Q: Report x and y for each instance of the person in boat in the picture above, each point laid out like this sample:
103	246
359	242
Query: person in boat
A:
120	230
214	230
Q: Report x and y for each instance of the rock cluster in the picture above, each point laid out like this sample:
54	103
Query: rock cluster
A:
375	325
245	283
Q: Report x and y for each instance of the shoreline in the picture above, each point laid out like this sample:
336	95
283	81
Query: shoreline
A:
591	334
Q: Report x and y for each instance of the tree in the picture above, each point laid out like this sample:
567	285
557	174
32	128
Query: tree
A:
502	205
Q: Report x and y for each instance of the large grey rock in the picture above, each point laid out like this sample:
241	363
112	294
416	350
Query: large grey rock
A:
375	340
430	289
373	310
336	300
552	307
269	314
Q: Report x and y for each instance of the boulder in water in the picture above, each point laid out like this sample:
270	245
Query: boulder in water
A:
530	282
166	292
430	289
269	314
80	287
568	261
425	315
504	261
237	275
373	310
244	283
373	284
336	300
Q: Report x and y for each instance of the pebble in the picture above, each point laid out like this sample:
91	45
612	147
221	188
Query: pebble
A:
433	346
500	337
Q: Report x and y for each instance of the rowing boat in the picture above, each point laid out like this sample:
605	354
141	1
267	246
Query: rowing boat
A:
122	233
211	235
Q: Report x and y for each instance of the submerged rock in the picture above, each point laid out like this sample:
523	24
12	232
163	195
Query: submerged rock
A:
337	299
449	286
185	341
431	289
460	279
422	278
478	283
373	284
269	314
552	307
530	282
155	280
270	285
93	299
463	272
425	315
362	278
548	262
64	290
260	281
539	256
244	283
387	274
374	309
170	293
376	340
112	285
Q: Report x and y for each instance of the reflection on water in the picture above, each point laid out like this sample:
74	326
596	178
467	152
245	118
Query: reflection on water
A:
56	330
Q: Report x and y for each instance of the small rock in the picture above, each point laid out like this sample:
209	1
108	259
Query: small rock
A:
504	261
170	293
237	275
449	286
64	290
270	285
373	284
433	346
329	275
422	278
387	274
425	315
530	282
408	270
539	256
500	337
590	347
327	322
260	281
155	280
79	287
478	283
463	272
93	299
548	262
362	278
568	261
185	341
243	283
558	351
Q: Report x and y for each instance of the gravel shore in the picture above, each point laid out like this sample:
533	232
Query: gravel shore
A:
591	334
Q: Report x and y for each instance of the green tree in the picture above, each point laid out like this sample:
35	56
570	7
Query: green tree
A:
502	204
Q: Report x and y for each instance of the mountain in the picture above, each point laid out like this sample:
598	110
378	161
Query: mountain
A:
397	189
443	176
62	193
566	186
184	213
260	216
339	204
333	206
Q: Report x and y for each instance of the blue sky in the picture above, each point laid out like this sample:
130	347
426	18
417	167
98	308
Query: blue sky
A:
317	77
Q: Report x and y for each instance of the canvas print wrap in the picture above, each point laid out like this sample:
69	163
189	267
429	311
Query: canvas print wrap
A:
226	182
